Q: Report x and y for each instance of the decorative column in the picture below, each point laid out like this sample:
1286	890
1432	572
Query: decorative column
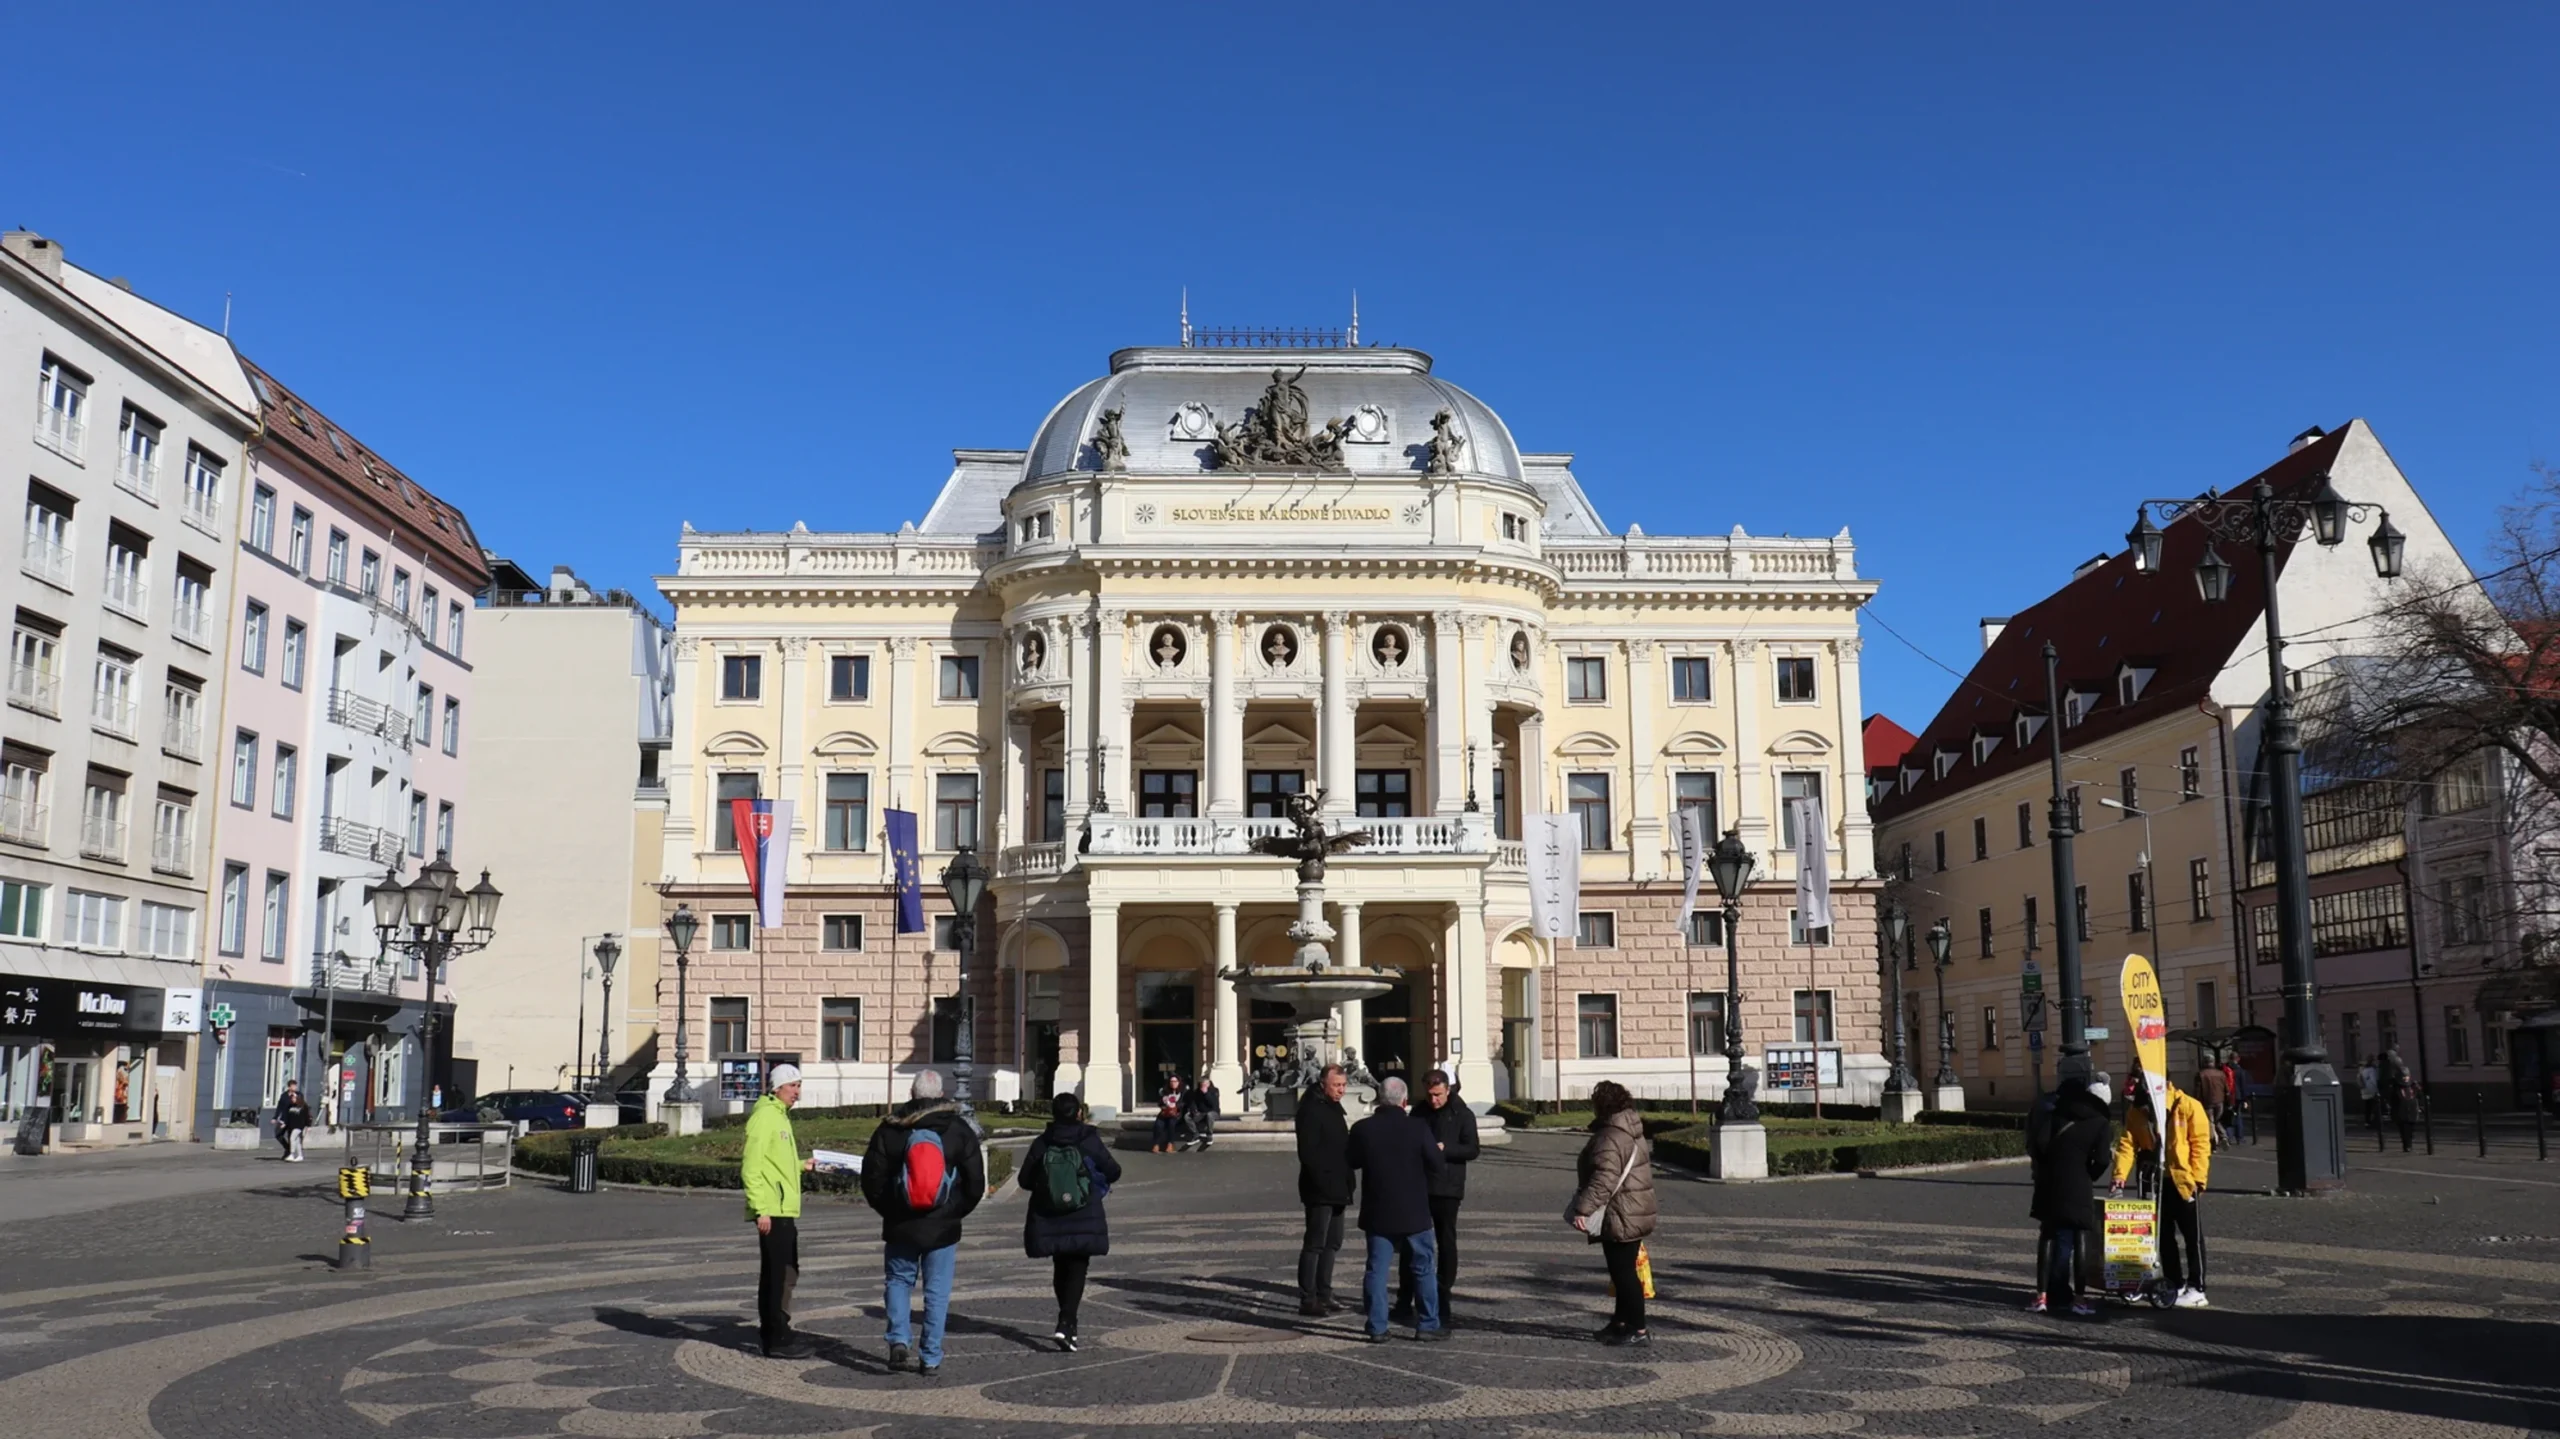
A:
1224	731
681	749
1111	713
1102	1078
1857	830
901	701
1533	767
1448	713
1225	1070
1077	633
1335	760
1347	943
1016	820
1750	803
792	694
1479	689
1644	825
1470	1023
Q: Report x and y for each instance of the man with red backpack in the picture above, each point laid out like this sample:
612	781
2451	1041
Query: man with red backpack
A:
924	1171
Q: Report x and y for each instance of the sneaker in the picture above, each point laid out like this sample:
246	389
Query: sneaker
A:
898	1356
1629	1339
798	1346
2037	1304
1067	1342
1378	1336
2192	1298
928	1371
1313	1308
2084	1309
1609	1332
1430	1336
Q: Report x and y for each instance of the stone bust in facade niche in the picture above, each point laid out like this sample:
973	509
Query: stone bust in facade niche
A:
1389	647
1034	650
1279	647
1520	650
1167	647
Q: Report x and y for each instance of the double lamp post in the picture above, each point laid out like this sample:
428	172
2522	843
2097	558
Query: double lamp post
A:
430	919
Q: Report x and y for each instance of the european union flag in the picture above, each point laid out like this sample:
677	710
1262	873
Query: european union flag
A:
908	867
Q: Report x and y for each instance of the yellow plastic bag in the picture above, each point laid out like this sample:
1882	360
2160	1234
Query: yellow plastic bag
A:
1644	1273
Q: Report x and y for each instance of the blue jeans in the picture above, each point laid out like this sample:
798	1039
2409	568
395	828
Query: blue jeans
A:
906	1262
1421	1255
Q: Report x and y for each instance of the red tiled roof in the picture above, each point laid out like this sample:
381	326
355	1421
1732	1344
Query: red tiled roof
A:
369	481
2103	619
1884	742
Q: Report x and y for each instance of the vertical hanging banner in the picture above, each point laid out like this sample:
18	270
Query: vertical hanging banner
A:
1813	866
906	867
1694	843
1554	843
763	828
2147	1014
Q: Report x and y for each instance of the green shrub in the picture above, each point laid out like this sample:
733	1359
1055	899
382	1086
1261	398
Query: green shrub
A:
1975	1119
1878	1147
648	1154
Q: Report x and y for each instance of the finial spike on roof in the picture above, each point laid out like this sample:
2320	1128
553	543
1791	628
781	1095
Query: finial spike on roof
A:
1355	319
1186	317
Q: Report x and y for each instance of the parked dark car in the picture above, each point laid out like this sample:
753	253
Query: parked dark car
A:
534	1108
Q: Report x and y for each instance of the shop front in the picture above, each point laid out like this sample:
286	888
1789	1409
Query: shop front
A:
86	1062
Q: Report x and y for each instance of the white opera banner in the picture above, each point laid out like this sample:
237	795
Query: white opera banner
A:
1554	842
1813	867
1694	843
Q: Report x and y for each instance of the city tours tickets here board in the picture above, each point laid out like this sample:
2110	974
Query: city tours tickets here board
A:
2132	1232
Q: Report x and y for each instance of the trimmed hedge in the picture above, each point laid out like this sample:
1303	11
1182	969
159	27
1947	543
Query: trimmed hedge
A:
548	1153
1834	1154
1975	1119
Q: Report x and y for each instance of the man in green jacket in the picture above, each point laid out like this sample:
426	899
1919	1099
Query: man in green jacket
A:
771	1169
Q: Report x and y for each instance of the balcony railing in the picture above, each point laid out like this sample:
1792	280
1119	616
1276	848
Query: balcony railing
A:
346	974
367	715
59	430
1026	861
1449	834
352	838
47	560
101	837
182	737
1510	854
204	506
138	475
22	821
1739	557
173	854
128	594
194	625
34	689
111	714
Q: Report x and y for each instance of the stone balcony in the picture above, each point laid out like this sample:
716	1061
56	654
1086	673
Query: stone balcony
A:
1117	836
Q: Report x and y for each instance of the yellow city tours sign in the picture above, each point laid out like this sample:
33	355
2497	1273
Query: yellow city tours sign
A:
2146	1013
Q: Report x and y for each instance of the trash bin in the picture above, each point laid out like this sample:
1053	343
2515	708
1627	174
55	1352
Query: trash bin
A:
582	1163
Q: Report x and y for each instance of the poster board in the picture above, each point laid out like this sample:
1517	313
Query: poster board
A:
2146	1013
2132	1244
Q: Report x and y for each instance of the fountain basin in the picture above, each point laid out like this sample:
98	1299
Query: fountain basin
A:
1314	993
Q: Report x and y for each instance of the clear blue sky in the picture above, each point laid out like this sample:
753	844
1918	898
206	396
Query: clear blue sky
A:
1967	279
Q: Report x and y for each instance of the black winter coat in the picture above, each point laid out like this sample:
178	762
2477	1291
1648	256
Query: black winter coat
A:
1324	1162
1078	1231
2069	1159
1454	1126
1401	1159
886	1154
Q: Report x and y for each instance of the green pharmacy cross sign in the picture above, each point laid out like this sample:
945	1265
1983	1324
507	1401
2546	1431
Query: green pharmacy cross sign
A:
220	1016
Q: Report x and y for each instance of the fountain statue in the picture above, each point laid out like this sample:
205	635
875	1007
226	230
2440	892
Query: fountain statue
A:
1312	986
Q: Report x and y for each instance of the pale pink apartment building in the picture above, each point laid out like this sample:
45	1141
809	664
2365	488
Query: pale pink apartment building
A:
340	757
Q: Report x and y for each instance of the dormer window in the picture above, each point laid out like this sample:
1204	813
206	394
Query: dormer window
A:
1034	527
2076	706
1945	760
1984	742
1911	778
2131	681
2028	727
1515	527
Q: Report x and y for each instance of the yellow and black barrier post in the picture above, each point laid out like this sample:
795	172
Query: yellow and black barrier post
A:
355	1251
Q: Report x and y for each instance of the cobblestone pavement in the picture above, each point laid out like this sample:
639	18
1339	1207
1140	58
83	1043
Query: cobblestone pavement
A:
2419	1304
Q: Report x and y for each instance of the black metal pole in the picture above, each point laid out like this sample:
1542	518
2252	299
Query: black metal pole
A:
2311	1130
2072	1063
1898	1080
1946	1036
964	1051
604	1032
421	1203
684	1086
1738	1107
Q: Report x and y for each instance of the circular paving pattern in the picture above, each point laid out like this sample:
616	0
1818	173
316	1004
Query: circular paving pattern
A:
1765	1327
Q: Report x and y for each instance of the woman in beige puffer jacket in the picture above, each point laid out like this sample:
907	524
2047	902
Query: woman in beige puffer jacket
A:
1614	1203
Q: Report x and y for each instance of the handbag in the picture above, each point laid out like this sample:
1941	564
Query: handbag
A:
1592	1234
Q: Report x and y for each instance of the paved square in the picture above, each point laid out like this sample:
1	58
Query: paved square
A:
2422	1303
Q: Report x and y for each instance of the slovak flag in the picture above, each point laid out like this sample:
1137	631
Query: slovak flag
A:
908	867
764	842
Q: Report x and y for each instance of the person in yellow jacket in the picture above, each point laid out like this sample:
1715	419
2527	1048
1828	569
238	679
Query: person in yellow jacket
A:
2186	1162
770	1169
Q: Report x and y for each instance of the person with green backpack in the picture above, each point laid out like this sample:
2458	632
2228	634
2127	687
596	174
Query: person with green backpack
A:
1065	1173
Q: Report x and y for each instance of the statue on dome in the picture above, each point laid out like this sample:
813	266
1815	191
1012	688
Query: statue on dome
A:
1110	451
1446	442
1275	432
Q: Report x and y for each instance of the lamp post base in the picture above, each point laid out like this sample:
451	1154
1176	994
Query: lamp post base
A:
2311	1131
1740	1151
1901	1106
682	1116
1947	1098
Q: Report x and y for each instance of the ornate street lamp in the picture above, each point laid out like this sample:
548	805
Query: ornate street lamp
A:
608	949
432	920
682	926
2310	1109
1940	943
964	881
1897	935
1731	865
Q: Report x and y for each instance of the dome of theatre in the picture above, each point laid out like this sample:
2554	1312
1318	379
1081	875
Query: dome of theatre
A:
1375	407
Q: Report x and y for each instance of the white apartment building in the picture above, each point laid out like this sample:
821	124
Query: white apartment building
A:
126	439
